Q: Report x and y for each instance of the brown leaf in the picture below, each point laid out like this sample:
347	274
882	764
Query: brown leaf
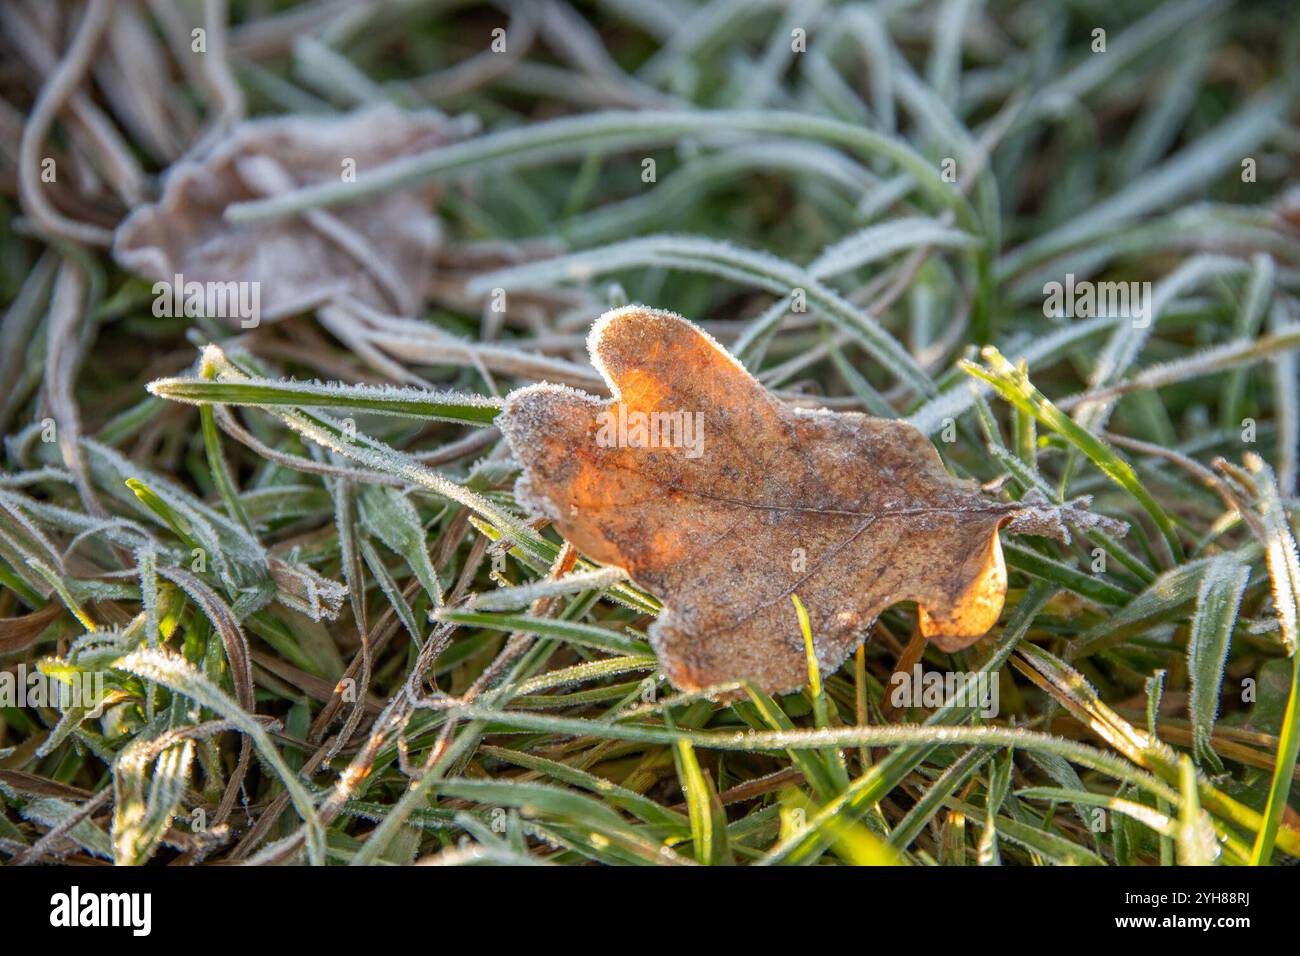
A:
852	513
378	251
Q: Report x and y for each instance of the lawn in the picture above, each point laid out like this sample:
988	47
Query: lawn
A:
275	585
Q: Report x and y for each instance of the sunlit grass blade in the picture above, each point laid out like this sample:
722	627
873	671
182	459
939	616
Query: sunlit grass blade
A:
708	821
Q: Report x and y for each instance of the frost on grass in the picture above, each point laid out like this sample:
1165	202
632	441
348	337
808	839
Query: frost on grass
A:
882	240
509	598
1218	601
378	251
837	211
329	433
398	400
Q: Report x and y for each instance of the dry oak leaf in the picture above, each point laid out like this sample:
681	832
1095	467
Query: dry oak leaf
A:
379	251
851	512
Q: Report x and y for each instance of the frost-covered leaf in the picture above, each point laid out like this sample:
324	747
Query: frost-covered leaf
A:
722	501
378	252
